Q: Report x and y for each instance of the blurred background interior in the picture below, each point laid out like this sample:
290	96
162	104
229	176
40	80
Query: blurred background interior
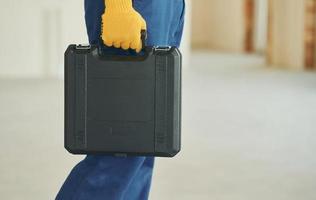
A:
249	100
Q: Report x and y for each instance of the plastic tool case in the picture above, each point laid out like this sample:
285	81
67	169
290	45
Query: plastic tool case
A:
123	105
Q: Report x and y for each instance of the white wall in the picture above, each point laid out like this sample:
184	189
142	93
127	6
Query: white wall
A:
186	40
20	39
34	34
261	25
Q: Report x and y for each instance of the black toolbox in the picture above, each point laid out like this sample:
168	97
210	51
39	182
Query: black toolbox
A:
123	105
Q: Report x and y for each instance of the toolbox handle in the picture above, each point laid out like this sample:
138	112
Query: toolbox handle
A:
143	36
111	53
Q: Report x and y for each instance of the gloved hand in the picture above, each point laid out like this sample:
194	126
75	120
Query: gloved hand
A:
122	25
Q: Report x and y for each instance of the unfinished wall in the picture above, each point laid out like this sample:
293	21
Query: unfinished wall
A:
218	24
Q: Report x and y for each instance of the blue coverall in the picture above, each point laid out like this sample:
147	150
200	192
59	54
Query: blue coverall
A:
117	178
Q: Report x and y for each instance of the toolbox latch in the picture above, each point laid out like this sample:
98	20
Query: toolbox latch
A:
83	47
163	48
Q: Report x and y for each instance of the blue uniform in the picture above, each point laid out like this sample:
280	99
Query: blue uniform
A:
115	178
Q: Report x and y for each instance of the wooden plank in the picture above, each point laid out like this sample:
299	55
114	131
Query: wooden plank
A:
286	34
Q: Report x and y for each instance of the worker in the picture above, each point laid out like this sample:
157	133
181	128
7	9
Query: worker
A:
116	25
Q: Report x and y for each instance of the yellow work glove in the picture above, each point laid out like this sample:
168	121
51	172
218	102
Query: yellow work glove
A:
122	25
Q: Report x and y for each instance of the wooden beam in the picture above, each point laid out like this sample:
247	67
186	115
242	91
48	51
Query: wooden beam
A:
249	14
310	34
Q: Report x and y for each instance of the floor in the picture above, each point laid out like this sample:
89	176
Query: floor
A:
249	132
